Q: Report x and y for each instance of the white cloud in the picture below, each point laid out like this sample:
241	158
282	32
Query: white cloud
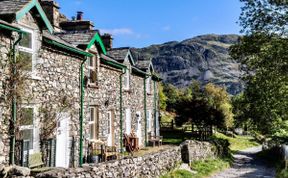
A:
166	28
118	31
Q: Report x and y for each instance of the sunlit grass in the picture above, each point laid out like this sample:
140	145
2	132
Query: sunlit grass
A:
239	142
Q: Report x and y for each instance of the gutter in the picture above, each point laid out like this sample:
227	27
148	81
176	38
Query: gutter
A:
71	49
81	112
155	110
145	110
121	111
14	103
11	28
113	64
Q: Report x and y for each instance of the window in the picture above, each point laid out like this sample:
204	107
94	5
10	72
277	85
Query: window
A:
128	121
93	76
149	120
26	50
126	80
93	123
148	85
26	125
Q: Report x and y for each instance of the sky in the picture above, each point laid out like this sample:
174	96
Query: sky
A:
140	23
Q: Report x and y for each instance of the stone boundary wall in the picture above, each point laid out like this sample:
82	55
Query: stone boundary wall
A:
147	166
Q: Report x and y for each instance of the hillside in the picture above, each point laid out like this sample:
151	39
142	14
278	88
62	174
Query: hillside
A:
203	58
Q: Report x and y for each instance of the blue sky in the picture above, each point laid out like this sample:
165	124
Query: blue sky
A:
140	23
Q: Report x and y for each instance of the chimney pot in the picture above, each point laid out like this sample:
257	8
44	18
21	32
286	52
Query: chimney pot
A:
79	15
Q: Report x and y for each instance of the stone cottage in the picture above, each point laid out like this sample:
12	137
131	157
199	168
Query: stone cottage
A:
70	90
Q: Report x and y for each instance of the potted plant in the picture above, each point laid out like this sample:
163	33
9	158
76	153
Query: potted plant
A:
96	156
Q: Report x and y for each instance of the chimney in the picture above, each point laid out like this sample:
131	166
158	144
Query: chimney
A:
80	15
51	9
107	40
77	24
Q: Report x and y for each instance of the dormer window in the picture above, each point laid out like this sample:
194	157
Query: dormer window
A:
26	50
127	80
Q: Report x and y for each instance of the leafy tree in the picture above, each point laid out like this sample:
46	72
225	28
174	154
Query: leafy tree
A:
264	53
172	94
162	98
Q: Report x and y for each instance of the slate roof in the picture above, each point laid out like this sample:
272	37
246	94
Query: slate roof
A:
8	7
118	54
143	64
59	40
78	37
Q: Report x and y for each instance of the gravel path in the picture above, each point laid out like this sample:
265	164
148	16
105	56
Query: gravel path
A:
247	165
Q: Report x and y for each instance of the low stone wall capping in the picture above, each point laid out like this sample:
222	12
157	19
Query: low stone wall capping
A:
147	166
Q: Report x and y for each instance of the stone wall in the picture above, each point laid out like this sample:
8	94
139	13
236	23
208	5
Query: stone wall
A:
4	138
151	165
192	150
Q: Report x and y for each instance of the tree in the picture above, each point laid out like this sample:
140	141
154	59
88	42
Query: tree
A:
162	98
263	53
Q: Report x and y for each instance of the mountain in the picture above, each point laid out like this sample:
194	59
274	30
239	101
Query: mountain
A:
204	58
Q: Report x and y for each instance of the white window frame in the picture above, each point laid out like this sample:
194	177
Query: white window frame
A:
148	85
149	120
128	125
127	83
90	122
93	68
30	127
29	50
109	123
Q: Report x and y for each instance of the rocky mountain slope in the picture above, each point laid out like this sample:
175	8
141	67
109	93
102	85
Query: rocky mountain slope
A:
203	58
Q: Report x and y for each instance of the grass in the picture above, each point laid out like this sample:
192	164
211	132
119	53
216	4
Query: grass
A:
202	168
239	142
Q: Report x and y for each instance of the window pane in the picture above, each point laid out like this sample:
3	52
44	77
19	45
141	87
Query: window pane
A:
92	114
91	64
26	40
27	135
26	116
91	129
25	60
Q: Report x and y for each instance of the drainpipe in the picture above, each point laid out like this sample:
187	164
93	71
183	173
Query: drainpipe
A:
155	108
145	111
14	103
121	111
81	112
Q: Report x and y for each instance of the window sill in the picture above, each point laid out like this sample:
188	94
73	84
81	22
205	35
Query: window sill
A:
34	77
94	86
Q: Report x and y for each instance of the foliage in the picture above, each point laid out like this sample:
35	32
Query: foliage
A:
239	142
211	107
263	53
162	98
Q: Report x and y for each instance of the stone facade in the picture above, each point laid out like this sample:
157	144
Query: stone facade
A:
51	90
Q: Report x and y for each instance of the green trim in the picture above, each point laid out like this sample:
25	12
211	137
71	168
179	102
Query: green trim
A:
156	77
121	113
155	107
139	72
75	50
145	111
34	3
8	27
113	64
81	113
98	39
14	106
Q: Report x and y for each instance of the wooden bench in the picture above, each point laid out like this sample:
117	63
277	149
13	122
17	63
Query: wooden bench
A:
155	139
35	160
109	151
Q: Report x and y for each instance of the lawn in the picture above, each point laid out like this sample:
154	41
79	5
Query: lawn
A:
202	168
239	142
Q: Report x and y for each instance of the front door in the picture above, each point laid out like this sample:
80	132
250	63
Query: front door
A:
139	127
62	143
